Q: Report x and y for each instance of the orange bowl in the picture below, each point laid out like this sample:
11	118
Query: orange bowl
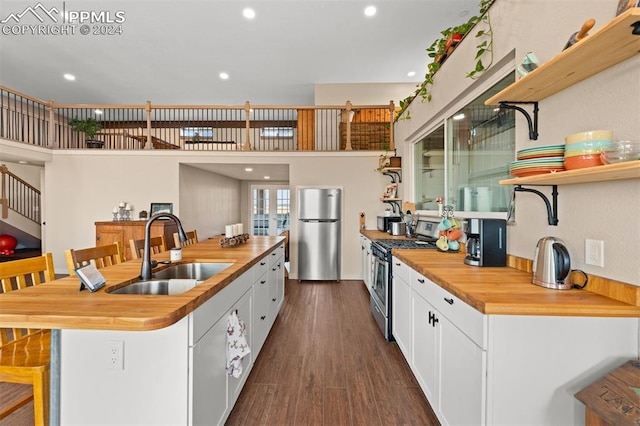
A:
582	161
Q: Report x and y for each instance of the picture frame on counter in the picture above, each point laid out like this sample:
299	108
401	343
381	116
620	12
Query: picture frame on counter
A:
161	208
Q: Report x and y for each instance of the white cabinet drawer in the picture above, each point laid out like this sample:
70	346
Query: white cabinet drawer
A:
275	255
466	318
260	268
400	270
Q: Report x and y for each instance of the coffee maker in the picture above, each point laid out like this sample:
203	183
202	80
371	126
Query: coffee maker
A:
486	242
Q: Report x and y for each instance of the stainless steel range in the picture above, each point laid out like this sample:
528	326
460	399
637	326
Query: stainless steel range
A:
426	236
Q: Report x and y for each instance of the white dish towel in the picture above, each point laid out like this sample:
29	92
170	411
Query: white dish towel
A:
237	346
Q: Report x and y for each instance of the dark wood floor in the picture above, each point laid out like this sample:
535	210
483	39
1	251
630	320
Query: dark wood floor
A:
324	363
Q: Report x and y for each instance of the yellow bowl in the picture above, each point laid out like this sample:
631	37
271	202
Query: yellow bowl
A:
591	135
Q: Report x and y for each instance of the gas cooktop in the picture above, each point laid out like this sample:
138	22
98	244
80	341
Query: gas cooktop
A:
405	244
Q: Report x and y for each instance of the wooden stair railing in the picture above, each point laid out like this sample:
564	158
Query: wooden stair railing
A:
19	196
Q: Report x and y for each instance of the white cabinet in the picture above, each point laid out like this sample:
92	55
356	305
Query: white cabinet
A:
268	295
174	375
425	349
401	307
214	391
462	376
449	365
367	261
505	369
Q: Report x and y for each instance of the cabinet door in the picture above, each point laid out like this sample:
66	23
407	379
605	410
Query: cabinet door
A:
462	377
401	316
426	344
276	289
365	245
261	318
234	386
209	404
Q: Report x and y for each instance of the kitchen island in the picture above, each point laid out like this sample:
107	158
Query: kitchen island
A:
489	347
142	359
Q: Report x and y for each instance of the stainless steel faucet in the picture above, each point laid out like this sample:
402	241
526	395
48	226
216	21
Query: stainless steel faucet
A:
147	263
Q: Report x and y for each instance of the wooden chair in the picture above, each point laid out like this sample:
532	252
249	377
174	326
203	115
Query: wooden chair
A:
25	353
192	238
157	245
101	256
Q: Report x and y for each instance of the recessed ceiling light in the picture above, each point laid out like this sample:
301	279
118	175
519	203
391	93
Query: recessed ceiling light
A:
248	169
458	116
249	13
411	73
370	10
69	77
98	112
23	162
224	75
267	177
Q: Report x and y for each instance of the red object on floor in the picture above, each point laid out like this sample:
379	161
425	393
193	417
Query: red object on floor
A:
7	244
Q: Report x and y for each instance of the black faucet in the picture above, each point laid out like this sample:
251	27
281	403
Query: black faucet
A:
147	263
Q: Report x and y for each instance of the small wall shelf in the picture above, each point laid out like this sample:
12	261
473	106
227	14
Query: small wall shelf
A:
395	203
394	172
606	47
608	172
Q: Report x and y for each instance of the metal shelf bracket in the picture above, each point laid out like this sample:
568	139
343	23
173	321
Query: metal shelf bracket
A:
533	124
394	204
552	208
394	175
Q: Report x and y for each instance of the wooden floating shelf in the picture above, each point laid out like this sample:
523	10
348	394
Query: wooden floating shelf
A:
619	171
605	48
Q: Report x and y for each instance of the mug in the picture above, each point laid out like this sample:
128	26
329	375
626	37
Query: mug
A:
176	254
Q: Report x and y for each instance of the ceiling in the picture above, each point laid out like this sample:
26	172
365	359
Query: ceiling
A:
172	52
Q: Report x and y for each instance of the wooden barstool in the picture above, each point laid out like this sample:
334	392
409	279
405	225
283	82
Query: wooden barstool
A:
25	353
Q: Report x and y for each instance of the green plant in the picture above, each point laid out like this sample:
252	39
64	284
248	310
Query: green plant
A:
88	126
486	45
440	48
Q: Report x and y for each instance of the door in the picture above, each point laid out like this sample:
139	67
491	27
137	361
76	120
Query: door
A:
318	250
319	203
270	209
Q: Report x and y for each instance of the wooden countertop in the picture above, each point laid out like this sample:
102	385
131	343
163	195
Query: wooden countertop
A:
59	304
504	291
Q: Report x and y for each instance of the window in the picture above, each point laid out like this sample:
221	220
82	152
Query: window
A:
276	132
197	133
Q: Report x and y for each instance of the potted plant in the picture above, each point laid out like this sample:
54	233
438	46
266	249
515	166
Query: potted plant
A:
90	127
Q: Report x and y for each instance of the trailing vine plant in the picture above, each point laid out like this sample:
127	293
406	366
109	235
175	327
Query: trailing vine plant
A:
486	46
443	46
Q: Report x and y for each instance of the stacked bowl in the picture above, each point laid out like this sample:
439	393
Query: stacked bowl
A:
583	149
538	160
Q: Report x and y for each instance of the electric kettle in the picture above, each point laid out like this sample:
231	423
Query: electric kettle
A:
552	264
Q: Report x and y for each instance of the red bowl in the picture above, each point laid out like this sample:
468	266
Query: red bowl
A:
582	161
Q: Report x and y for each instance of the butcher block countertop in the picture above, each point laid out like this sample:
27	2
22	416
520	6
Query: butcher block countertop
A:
505	291
59	304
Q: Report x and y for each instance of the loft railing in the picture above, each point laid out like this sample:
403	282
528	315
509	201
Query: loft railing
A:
197	127
19	196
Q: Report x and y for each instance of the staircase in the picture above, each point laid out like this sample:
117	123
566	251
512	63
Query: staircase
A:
19	215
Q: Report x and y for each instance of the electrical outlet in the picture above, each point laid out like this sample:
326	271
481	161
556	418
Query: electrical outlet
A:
114	355
594	252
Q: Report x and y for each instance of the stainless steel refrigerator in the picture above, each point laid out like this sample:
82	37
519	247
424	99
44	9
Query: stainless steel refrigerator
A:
319	211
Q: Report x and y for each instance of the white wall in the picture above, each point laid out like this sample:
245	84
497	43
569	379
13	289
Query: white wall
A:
607	211
363	93
208	201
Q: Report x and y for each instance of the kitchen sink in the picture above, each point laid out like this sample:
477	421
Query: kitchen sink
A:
157	287
199	271
175	279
